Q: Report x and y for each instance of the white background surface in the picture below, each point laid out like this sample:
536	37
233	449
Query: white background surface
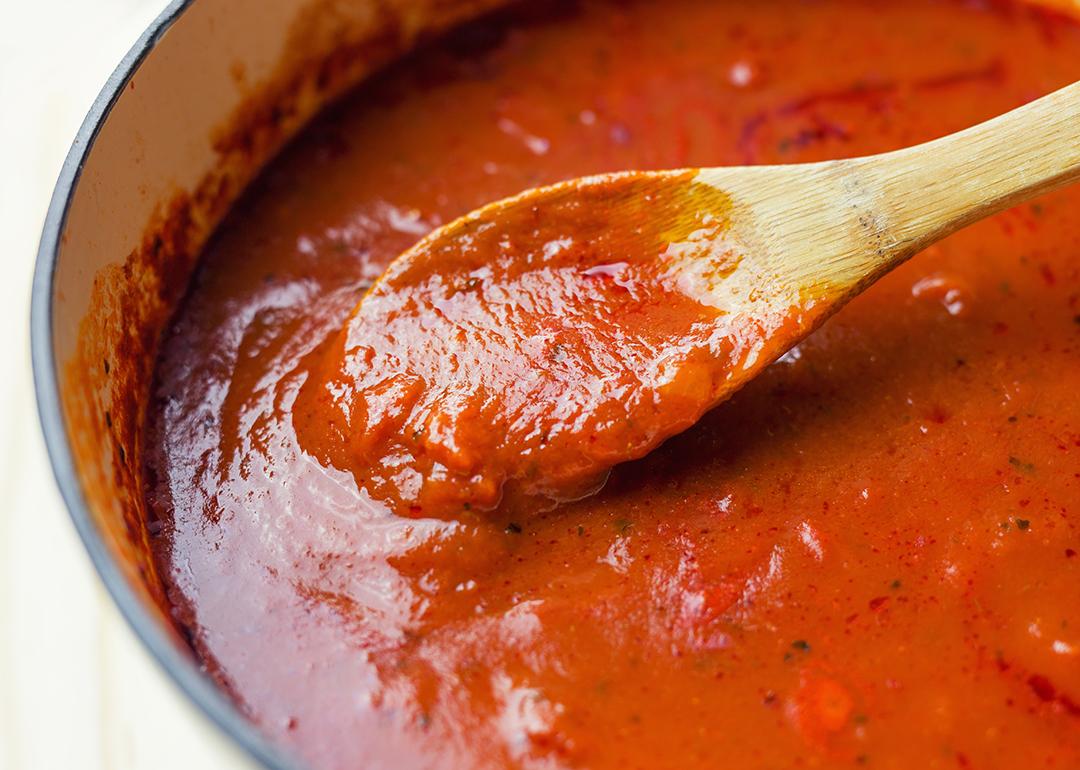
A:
77	690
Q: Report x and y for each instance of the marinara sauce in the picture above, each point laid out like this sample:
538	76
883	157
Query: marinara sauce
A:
867	557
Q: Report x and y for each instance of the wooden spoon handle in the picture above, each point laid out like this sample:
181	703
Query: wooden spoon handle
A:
934	189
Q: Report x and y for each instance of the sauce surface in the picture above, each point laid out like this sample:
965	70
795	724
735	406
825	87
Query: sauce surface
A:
867	557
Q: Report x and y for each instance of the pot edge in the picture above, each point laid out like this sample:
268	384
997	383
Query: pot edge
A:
181	669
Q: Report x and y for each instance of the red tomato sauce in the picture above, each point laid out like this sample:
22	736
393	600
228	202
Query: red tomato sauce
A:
867	557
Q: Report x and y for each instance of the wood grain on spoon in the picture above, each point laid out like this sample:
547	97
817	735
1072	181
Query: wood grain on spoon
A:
515	355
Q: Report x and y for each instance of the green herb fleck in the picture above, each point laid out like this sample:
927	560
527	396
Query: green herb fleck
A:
801	644
622	526
895	585
513	528
580	530
1020	465
1023	525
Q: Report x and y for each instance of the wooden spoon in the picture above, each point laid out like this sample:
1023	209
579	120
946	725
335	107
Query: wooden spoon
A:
527	347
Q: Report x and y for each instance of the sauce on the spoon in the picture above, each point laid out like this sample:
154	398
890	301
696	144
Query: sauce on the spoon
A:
535	345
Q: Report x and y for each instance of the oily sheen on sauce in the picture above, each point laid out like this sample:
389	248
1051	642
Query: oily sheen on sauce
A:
867	557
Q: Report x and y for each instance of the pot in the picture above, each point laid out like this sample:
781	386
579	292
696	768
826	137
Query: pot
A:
208	95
